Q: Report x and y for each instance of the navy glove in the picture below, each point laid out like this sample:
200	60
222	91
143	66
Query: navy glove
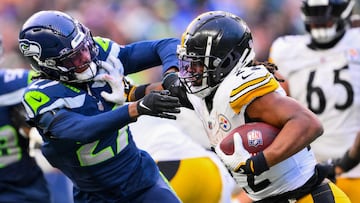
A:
159	104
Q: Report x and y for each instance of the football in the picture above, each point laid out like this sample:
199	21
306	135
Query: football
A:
255	137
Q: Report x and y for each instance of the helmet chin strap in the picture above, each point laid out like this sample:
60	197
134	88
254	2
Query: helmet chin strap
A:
88	74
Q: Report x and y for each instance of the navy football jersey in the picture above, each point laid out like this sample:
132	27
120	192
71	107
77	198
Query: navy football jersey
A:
87	137
17	168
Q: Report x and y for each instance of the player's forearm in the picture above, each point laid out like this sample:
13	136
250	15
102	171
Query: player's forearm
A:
73	126
296	135
350	159
138	92
354	151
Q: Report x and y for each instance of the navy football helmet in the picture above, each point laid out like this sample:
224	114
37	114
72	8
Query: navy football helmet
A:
216	41
326	21
52	40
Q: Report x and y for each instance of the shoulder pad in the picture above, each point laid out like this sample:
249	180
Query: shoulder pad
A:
104	43
287	47
46	95
252	82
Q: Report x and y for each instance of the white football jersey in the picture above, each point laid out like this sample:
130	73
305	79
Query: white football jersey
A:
328	83
183	138
232	97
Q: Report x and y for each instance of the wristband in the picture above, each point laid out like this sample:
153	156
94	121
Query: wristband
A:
139	91
259	163
255	165
347	163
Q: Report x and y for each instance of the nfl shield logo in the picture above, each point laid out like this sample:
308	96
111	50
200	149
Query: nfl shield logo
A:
254	138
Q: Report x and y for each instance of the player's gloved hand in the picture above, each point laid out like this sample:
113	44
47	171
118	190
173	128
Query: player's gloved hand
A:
341	165
159	104
172	83
35	141
115	80
241	161
346	163
235	161
328	168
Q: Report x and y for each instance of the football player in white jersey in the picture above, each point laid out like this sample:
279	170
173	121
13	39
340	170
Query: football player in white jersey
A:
182	152
186	164
227	88
322	71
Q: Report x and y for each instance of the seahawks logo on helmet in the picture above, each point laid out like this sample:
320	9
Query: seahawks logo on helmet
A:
30	48
33	49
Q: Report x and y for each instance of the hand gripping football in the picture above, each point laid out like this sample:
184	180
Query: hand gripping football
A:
255	137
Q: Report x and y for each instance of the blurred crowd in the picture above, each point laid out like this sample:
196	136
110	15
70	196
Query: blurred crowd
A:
126	21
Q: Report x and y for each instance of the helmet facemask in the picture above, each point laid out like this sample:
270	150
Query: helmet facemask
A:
217	41
195	76
59	47
69	72
86	71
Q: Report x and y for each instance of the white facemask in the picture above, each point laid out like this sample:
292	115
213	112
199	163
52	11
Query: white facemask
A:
323	35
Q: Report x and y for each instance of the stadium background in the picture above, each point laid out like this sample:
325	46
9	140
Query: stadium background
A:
126	21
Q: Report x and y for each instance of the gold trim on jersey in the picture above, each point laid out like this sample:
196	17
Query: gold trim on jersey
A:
250	90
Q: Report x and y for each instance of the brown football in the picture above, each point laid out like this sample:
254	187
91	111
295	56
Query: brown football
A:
255	137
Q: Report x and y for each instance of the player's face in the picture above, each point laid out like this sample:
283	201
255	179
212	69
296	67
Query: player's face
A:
327	24
80	59
193	71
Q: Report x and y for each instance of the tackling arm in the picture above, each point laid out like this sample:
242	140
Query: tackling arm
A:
61	124
152	54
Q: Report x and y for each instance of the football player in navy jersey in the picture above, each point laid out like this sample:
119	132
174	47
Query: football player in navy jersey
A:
21	179
76	104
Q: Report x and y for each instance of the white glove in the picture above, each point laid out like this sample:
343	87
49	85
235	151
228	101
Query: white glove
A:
234	161
115	80
35	141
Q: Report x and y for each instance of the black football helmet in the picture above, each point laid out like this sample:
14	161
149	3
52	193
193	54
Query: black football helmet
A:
218	41
326	21
51	40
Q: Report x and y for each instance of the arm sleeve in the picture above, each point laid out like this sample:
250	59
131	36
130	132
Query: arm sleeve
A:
147	54
69	125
